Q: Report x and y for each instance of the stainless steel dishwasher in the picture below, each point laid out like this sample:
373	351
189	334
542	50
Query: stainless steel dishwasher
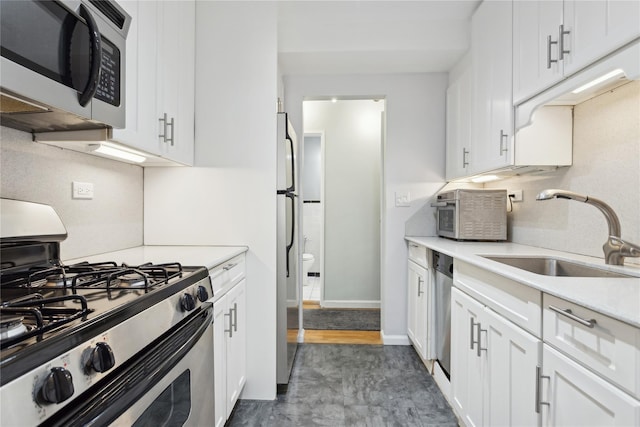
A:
443	266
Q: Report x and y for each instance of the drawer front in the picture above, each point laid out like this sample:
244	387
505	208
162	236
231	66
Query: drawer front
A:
227	274
604	345
517	302
418	254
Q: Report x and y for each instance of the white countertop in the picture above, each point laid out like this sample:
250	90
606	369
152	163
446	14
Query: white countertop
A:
618	298
207	256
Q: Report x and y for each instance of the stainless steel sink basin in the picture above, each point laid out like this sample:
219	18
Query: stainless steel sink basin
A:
554	267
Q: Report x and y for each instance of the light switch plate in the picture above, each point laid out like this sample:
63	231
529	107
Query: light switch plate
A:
403	199
82	190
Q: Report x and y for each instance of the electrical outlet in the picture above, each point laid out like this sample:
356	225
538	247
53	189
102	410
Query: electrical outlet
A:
515	195
82	190
403	199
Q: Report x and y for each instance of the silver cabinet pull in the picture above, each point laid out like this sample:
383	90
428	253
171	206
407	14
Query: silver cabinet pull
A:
539	378
472	341
549	60
503	136
230	330
229	266
568	313
480	349
235	317
420	282
465	163
561	49
172	124
164	122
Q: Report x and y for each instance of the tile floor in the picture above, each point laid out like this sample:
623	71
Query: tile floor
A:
311	292
352	385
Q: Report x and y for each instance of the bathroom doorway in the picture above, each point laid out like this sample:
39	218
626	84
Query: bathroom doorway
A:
342	182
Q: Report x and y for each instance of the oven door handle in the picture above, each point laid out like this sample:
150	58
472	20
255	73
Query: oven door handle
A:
125	385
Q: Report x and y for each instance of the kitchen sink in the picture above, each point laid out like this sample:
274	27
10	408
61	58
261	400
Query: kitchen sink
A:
549	266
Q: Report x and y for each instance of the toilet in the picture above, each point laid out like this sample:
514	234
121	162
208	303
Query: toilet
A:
307	262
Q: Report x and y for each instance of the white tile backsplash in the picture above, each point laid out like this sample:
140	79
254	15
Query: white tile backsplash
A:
40	173
606	165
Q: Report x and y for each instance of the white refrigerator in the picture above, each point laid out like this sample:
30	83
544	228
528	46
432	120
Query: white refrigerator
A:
288	294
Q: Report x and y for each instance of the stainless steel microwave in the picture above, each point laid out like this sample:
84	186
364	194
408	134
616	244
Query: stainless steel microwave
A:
470	214
62	64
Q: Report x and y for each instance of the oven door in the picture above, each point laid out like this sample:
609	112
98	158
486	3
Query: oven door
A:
170	383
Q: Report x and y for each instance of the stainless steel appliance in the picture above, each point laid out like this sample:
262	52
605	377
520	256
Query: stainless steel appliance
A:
288	298
465	214
62	64
443	266
98	343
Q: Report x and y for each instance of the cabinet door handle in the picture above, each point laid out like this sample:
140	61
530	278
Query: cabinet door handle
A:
549	60
561	50
568	313
465	163
229	266
471	340
480	349
230	330
164	122
539	378
172	124
235	317
420	282
503	148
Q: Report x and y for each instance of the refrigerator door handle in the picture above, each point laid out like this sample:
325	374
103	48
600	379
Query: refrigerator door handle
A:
293	226
292	188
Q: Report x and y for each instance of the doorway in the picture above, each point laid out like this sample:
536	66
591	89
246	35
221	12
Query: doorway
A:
342	182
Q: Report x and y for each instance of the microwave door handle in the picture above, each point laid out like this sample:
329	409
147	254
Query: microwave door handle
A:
96	57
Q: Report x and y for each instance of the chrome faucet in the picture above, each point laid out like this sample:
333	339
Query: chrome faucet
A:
615	249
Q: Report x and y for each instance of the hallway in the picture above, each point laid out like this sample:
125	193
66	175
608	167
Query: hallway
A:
352	385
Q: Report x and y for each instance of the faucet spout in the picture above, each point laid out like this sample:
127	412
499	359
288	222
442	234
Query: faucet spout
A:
612	219
615	249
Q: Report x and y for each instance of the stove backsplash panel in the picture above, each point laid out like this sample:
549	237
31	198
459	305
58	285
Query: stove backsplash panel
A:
112	220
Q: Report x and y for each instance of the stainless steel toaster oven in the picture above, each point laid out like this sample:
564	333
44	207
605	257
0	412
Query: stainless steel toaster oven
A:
472	214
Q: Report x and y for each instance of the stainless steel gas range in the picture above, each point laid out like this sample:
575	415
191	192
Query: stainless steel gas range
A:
98	344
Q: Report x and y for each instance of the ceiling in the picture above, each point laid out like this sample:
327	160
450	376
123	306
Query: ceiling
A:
367	37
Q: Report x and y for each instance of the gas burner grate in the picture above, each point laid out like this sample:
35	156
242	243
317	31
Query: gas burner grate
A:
40	315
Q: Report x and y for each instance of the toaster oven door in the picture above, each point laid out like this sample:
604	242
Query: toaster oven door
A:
447	220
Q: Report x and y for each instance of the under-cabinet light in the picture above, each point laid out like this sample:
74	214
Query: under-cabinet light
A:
609	76
117	153
484	178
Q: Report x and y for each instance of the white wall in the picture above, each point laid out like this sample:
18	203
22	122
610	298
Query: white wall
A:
40	173
414	162
230	197
352	167
606	165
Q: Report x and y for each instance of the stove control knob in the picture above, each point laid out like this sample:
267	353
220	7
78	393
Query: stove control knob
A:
101	358
57	386
187	302
203	295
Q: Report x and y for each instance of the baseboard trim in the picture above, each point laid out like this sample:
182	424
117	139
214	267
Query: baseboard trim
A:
350	304
395	339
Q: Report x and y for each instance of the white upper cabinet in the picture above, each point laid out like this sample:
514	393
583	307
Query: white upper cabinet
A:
553	39
596	28
492	121
535	54
160	79
458	123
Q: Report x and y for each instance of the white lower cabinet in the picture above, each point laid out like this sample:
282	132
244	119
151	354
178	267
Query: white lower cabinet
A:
229	350
419	298
573	396
493	366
